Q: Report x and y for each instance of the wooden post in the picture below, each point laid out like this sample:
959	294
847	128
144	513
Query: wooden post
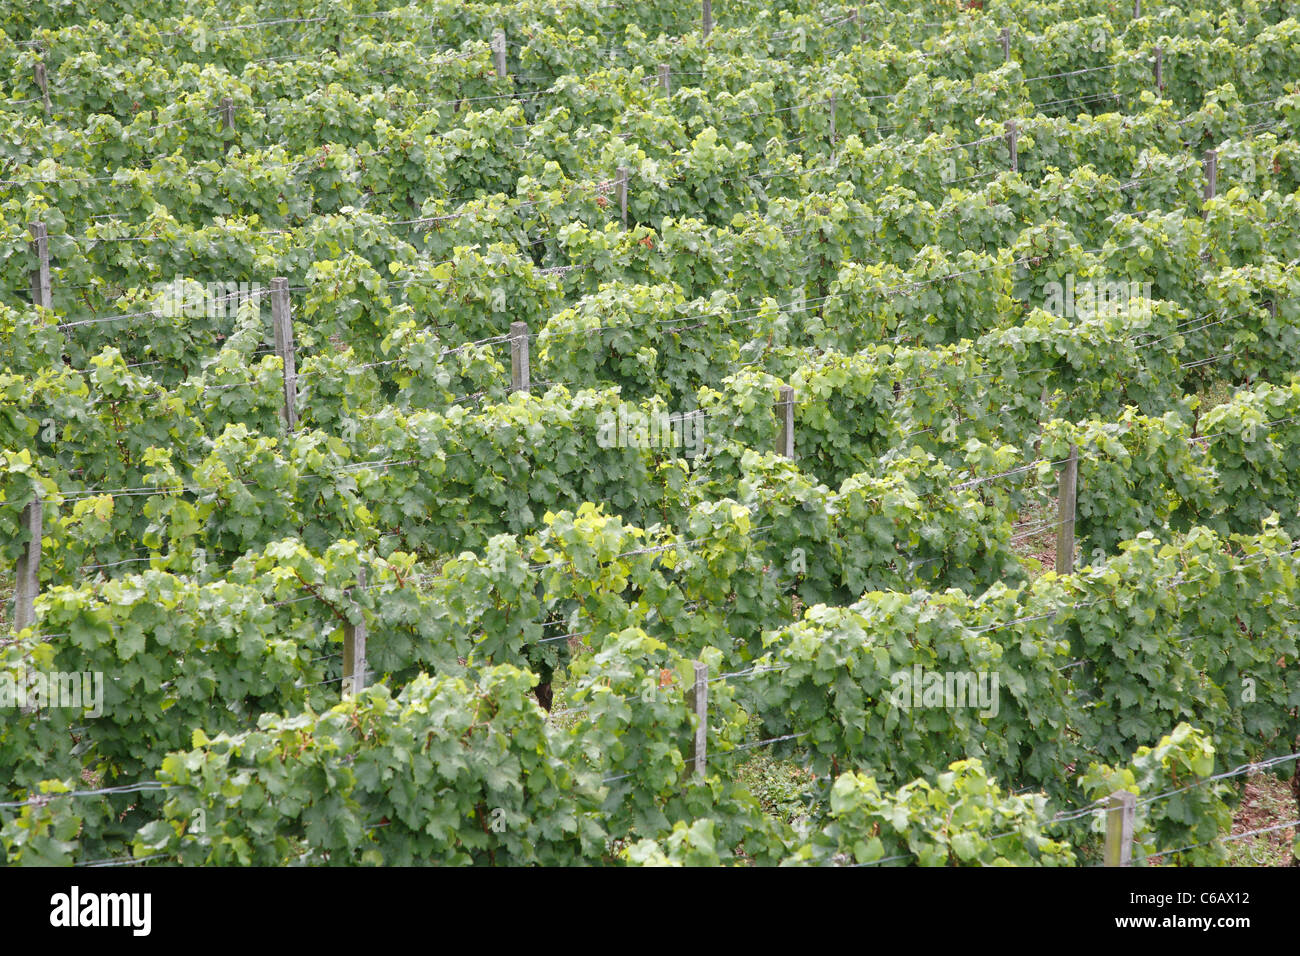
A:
1006	44
282	324
519	370
833	101
43	83
708	18
42	291
1013	150
499	52
700	745
663	79
785	415
1211	173
28	584
622	193
228	119
1067	501
354	649
1137	9
1159	69
1121	814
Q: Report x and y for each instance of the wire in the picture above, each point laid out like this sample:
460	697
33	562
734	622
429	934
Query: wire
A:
39	799
1225	839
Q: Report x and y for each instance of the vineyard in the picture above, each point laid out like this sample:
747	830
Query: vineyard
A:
591	432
